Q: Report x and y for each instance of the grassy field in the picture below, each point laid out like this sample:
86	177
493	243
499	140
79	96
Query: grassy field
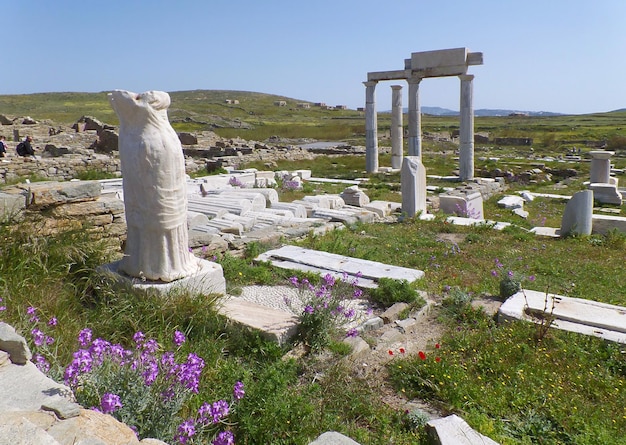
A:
256	117
514	382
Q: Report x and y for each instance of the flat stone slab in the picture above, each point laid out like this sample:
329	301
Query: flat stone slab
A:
274	324
571	314
298	258
453	430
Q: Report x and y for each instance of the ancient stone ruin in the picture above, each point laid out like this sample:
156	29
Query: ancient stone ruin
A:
422	65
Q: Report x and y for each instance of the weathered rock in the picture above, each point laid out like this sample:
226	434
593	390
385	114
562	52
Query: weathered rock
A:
333	438
188	138
46	194
93	426
453	430
14	344
21	431
392	313
107	141
354	196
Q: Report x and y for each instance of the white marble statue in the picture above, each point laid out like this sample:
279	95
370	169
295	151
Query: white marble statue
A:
155	195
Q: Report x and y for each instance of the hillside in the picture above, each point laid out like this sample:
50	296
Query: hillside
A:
254	116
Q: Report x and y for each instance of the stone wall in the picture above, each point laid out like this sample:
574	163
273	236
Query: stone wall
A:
51	206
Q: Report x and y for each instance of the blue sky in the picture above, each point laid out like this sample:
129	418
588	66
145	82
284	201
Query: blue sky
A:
565	56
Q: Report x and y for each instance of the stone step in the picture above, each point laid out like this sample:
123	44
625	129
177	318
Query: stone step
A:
275	325
571	314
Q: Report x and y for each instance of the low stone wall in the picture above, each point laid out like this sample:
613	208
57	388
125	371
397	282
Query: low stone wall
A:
57	169
52	206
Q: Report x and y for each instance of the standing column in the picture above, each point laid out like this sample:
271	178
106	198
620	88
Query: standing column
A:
415	118
371	128
397	140
601	166
466	149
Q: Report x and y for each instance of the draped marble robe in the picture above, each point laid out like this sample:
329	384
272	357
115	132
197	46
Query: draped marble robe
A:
155	188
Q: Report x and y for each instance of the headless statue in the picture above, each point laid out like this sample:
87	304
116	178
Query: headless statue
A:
155	188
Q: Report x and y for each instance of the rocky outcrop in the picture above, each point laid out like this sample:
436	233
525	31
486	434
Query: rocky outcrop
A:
36	410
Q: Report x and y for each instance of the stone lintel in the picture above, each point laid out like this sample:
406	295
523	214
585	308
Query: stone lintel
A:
474	58
378	76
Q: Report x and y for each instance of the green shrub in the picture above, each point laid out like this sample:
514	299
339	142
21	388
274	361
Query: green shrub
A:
390	291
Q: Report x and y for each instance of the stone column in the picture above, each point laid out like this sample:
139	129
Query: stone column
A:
601	166
415	118
466	134
413	186
397	141
371	128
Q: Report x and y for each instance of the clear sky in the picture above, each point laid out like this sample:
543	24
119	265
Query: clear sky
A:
564	56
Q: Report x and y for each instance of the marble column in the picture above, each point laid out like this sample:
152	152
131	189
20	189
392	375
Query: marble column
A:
415	118
601	166
466	133
397	141
413	186
371	128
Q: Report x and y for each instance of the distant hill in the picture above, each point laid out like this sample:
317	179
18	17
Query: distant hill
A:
438	111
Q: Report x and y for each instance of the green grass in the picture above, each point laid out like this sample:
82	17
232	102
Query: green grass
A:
286	403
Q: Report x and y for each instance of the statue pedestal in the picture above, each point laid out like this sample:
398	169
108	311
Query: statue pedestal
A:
208	279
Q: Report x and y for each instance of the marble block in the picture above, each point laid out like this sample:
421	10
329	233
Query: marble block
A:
577	217
457	202
606	193
207	278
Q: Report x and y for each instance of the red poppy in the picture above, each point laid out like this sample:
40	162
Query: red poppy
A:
422	355
437	346
402	350
437	359
390	352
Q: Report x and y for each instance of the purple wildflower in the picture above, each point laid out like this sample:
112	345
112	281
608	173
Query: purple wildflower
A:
349	313
41	363
309	309
531	278
189	372
494	273
510	273
219	410
110	403
139	338
358	293
84	337
353	332
179	338
38	337
32	312
224	438
150	373
53	321
329	280
238	391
